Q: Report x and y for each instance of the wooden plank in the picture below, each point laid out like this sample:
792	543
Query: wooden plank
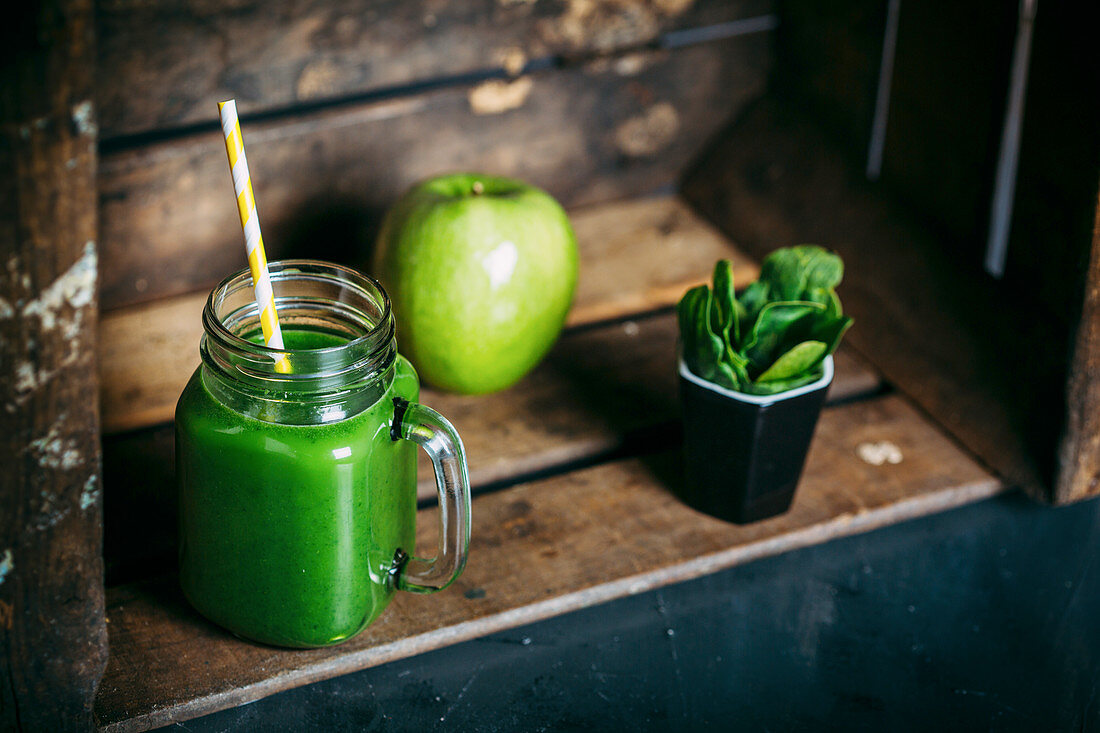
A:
53	638
636	256
596	132
1054	207
935	328
597	392
539	550
947	105
161	65
1079	452
946	112
827	61
602	391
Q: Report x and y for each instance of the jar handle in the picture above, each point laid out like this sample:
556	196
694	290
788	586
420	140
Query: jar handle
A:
432	432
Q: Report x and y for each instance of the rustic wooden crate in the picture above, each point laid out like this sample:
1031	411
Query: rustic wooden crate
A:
677	132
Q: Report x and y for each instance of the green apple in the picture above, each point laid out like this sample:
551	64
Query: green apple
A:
481	272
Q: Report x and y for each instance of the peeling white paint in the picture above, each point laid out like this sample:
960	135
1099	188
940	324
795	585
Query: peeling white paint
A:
53	451
25	377
497	96
60	306
631	64
7	564
75	288
90	494
51	512
648	133
84	118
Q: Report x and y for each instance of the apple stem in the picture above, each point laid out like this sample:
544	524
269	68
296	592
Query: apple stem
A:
478	188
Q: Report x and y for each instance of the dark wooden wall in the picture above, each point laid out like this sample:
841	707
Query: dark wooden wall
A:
946	111
345	104
1012	338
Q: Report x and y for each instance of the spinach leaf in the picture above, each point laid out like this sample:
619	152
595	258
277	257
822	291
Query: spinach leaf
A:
782	385
703	350
753	299
823	269
798	360
725	302
775	334
773	328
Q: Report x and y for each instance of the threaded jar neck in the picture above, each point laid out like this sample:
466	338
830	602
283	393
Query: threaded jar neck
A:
300	386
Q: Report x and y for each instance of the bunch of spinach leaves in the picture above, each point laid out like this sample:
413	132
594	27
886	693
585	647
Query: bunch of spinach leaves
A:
776	334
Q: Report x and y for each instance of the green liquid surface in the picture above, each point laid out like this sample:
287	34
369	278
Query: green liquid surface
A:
303	340
288	531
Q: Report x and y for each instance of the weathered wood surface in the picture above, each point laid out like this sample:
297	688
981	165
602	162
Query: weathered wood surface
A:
1079	453
827	60
602	392
538	550
981	364
636	256
53	640
162	64
946	115
1054	209
949	93
598	392
603	130
946	103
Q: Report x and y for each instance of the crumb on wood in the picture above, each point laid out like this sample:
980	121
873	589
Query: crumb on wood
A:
879	453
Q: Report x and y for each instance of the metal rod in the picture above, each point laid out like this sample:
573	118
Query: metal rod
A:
1000	215
882	97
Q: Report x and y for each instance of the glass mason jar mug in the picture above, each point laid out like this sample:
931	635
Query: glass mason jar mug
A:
297	469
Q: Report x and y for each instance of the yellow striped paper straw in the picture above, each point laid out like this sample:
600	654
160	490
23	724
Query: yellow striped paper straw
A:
253	241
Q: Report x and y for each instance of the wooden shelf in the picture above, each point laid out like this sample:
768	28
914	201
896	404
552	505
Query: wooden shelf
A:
600	391
586	445
540	549
603	391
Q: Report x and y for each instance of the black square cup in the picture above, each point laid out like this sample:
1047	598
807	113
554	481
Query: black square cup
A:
743	454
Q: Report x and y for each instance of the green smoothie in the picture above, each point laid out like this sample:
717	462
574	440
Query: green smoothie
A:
288	531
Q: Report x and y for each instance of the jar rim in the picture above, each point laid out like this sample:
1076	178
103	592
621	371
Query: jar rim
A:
300	385
279	270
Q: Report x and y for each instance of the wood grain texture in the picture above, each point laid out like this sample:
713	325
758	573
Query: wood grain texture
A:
538	550
935	328
598	392
53	639
604	130
636	256
1079	454
161	65
601	392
